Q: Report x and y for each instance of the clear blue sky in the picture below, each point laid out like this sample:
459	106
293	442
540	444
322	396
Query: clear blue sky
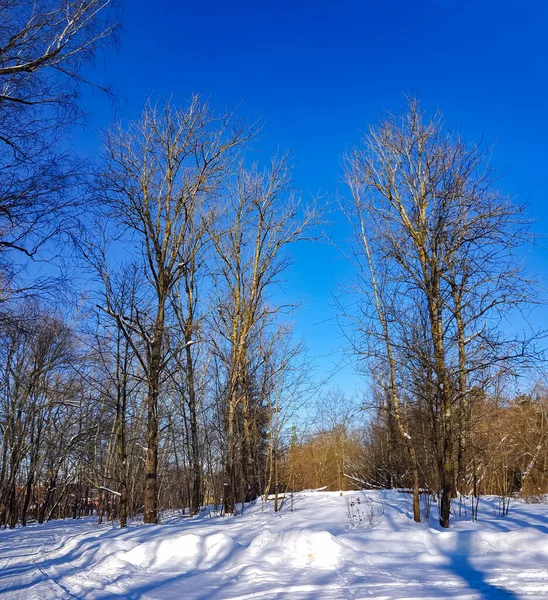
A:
318	72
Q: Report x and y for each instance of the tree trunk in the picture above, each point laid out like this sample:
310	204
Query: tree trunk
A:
151	466
196	469
230	475
47	498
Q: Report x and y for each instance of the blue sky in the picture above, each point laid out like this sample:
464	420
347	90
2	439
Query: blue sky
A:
319	72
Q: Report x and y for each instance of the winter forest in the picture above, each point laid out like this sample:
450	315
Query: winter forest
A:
151	363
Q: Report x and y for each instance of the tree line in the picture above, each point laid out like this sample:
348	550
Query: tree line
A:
171	378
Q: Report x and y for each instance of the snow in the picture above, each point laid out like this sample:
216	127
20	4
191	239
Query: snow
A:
316	551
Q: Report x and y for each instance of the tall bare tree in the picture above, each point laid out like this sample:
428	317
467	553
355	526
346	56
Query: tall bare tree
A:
446	240
158	173
264	217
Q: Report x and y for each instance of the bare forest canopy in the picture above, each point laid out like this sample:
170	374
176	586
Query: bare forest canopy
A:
173	379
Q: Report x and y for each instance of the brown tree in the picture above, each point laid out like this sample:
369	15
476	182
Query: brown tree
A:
157	174
264	217
444	239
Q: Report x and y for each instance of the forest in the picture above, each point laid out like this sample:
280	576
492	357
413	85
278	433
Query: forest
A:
148	354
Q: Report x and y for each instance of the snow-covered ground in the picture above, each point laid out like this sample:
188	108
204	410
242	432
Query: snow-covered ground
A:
309	553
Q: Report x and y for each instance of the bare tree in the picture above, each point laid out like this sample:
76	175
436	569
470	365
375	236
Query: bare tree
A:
376	326
44	46
157	173
264	217
288	386
117	379
36	350
189	308
446	241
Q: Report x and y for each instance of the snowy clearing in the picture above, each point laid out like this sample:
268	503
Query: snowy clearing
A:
308	553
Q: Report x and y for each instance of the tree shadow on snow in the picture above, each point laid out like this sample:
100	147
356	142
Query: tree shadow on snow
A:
460	565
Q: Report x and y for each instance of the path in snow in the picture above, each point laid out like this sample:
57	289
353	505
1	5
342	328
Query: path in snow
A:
305	554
